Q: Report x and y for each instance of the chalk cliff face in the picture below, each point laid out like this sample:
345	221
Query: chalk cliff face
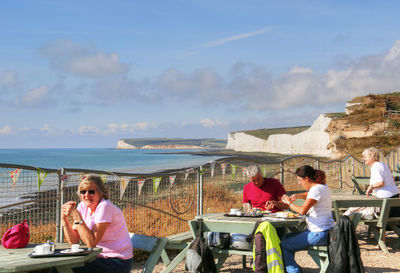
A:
123	145
172	147
313	141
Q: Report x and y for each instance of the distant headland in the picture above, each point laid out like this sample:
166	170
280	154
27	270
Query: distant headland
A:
171	143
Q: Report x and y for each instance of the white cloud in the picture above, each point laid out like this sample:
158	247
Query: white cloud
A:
88	130
6	130
298	69
47	129
209	123
35	98
237	37
225	40
129	128
83	61
8	78
253	88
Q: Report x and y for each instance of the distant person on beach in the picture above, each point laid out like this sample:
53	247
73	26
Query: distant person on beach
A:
98	222
318	210
262	193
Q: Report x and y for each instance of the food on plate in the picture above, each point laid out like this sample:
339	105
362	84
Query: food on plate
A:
292	214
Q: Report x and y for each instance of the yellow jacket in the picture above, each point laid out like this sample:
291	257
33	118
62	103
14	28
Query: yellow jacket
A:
272	247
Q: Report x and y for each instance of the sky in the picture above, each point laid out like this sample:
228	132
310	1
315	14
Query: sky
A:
87	73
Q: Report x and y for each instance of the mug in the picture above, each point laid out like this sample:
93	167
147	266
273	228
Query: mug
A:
75	247
234	211
43	249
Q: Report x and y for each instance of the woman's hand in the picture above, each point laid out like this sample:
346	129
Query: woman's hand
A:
293	197
67	208
286	199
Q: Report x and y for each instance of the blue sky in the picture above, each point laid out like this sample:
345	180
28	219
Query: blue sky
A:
87	73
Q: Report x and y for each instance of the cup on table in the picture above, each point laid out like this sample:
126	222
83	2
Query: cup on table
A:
234	211
75	247
42	249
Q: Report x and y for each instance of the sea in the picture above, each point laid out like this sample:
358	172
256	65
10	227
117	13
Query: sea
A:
136	161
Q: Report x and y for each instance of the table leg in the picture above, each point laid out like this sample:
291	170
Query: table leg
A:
176	260
64	269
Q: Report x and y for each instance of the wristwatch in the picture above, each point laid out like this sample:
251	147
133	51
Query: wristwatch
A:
78	222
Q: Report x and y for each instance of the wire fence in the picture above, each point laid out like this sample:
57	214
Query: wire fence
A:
155	203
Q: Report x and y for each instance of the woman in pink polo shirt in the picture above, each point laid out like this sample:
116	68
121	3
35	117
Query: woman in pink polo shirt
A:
98	222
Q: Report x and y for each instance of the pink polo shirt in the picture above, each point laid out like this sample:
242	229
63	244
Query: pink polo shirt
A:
115	242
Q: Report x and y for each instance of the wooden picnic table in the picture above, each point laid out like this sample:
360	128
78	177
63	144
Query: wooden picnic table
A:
17	260
342	201
218	222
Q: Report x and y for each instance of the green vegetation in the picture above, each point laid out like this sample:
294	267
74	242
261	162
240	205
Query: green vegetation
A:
265	133
203	142
336	115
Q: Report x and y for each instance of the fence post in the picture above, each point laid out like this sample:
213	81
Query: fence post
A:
58	208
283	173
352	166
340	176
201	190
363	166
60	201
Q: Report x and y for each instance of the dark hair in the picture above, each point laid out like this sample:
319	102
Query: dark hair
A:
316	176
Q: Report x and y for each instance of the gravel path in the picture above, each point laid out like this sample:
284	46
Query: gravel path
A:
374	260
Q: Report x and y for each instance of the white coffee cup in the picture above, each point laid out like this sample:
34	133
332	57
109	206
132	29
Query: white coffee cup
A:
75	247
234	211
42	249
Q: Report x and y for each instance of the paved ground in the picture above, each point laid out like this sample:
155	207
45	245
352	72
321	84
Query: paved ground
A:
374	260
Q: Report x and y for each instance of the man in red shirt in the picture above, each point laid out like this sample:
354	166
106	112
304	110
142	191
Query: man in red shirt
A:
263	193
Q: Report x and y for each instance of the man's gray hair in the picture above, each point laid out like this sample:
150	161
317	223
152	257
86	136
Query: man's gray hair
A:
253	170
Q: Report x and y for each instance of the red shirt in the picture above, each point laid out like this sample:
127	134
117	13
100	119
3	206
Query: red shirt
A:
271	189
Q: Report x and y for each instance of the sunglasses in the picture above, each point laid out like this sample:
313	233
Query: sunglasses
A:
83	192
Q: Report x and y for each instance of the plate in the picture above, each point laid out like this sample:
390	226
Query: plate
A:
42	254
69	250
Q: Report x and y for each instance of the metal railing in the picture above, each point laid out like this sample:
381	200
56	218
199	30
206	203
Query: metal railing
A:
155	203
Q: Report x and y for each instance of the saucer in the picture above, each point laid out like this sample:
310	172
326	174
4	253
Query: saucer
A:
41	254
69	251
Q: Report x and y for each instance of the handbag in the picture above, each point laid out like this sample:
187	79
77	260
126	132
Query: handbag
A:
199	257
16	237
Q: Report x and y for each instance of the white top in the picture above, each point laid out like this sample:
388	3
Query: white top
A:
319	216
381	172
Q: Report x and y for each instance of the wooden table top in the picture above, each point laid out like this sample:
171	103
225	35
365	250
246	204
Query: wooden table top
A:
17	260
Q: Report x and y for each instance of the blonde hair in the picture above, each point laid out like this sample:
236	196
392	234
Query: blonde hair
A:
372	153
96	180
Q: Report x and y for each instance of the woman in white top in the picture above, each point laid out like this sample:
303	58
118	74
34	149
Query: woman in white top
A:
318	210
381	179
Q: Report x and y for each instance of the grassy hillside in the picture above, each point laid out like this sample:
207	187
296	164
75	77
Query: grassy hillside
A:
265	133
204	142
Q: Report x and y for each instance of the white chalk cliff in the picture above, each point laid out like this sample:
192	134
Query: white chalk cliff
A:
313	141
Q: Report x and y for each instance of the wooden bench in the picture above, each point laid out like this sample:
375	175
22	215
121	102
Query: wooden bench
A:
358	181
154	245
320	253
179	241
378	226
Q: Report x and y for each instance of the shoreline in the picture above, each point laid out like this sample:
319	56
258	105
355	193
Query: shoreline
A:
231	153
